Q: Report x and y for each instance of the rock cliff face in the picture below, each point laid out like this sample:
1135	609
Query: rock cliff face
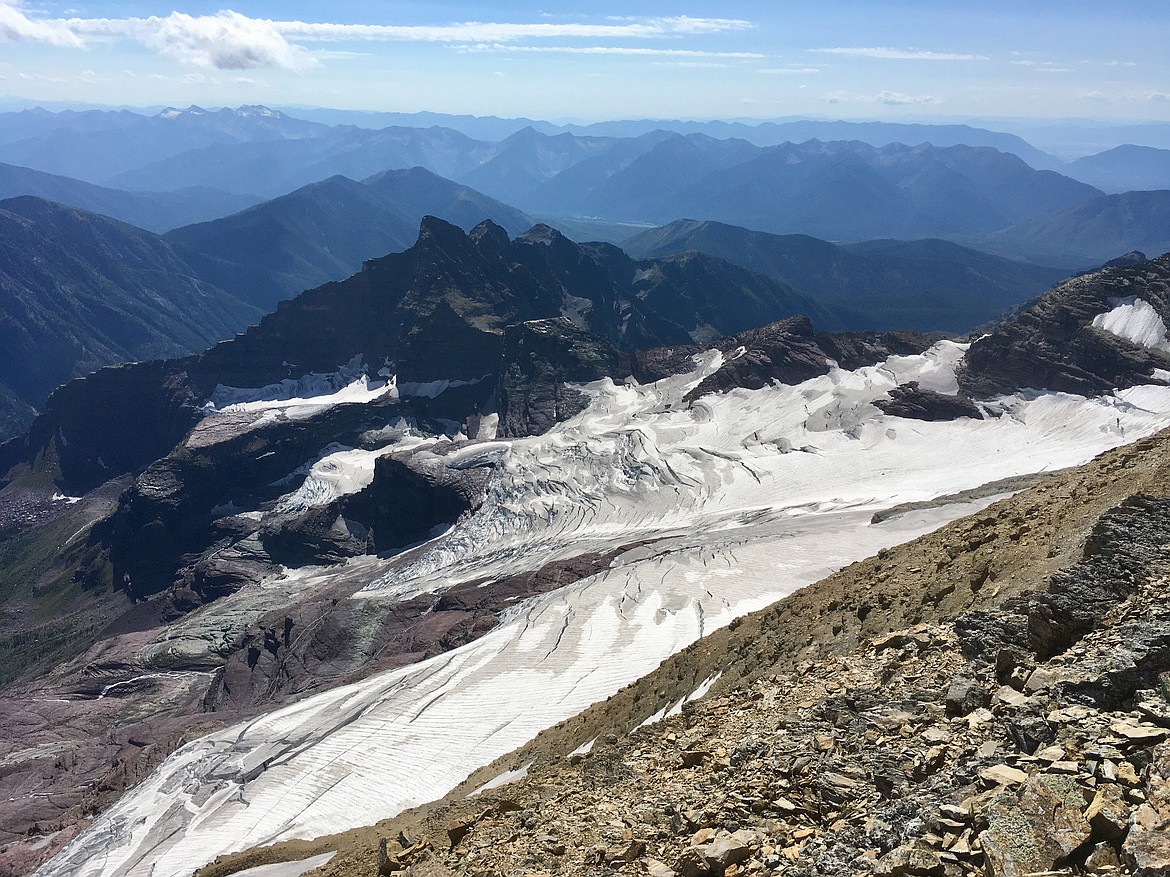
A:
1059	342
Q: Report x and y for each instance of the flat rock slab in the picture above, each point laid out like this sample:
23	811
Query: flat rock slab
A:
287	869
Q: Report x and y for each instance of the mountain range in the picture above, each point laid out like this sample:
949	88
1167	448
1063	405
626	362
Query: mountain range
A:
325	231
360	490
958	183
924	284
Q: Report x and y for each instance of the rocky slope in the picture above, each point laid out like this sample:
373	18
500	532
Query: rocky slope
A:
989	699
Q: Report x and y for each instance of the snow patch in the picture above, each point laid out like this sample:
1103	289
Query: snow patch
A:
433	389
314	391
676	709
1136	320
508	776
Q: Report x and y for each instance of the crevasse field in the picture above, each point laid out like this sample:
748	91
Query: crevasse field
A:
726	505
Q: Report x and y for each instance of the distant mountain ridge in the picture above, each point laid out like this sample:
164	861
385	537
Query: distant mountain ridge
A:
1124	168
928	285
956	181
95	146
153	211
325	231
79	291
1090	233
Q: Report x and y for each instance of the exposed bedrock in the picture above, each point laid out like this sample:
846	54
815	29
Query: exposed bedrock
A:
1125	551
412	494
172	508
910	400
540	358
1053	344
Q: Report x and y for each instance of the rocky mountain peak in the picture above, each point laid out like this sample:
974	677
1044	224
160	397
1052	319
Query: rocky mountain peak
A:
488	236
1133	257
541	234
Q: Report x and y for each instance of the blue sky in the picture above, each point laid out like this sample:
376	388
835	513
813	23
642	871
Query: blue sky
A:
601	60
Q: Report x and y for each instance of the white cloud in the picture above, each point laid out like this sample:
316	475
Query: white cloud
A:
888	53
224	41
789	71
482	31
16	27
693	65
1044	66
229	40
611	50
889	98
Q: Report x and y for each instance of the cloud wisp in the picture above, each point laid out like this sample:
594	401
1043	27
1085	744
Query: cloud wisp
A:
890	54
889	98
229	40
613	50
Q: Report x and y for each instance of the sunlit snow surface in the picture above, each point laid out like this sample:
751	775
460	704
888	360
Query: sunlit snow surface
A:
1136	320
736	501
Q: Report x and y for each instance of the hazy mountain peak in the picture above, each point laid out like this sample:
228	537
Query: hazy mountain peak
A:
258	111
175	112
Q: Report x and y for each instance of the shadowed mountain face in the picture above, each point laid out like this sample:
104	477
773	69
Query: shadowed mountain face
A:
1124	169
325	231
1088	234
929	285
154	211
80	291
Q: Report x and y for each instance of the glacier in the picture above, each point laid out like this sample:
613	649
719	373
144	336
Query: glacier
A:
714	508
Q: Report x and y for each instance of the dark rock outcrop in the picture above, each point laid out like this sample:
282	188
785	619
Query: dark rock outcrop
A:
412	494
541	357
1053	344
910	400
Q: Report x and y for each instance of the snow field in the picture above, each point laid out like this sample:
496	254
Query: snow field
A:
747	496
